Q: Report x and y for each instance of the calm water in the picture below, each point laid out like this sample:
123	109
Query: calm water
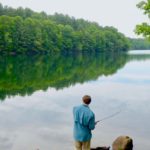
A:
37	95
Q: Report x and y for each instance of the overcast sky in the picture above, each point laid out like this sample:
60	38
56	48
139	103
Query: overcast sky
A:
122	14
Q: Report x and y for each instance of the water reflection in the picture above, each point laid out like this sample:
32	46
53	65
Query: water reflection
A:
44	119
23	74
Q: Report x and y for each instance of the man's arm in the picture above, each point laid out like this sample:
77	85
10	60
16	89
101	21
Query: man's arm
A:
92	123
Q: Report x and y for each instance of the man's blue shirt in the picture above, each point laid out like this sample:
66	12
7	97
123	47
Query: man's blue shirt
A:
84	122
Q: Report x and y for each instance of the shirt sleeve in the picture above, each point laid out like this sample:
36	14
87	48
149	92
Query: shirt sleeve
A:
92	123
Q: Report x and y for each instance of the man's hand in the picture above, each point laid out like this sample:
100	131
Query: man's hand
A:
96	122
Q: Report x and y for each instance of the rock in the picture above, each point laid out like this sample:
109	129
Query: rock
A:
101	148
123	143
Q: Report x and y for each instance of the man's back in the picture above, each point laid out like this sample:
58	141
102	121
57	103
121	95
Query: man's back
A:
84	122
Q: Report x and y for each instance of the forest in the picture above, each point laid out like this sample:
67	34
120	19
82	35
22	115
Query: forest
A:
25	31
139	44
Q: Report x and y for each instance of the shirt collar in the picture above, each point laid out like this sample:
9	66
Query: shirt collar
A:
85	105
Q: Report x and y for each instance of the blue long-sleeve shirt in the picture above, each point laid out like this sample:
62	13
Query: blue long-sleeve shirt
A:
84	122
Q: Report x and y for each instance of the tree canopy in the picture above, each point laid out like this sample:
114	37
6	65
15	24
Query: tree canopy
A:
144	28
24	31
139	44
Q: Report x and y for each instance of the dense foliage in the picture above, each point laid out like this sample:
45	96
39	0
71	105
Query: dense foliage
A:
139	44
23	30
144	28
21	75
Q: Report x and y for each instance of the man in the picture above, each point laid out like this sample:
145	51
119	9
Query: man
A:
84	122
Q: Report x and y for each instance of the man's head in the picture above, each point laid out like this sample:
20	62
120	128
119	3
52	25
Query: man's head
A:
86	99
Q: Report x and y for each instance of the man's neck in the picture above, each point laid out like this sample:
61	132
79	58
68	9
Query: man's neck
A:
85	104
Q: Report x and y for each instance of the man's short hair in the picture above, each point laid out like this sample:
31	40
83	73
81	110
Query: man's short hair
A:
86	99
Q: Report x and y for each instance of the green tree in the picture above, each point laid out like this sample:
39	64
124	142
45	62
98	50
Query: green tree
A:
144	28
6	24
25	31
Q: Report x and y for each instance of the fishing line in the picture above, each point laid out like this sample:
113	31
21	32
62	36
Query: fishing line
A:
110	116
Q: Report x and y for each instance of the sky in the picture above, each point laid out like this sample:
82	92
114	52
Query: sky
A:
121	14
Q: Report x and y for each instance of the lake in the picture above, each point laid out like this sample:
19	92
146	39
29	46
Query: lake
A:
38	93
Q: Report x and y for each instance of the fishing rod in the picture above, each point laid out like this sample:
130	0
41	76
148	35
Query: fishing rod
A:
108	117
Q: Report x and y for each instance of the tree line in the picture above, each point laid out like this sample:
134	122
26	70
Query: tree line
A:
23	31
139	44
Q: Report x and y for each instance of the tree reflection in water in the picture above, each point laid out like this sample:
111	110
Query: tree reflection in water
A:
24	74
